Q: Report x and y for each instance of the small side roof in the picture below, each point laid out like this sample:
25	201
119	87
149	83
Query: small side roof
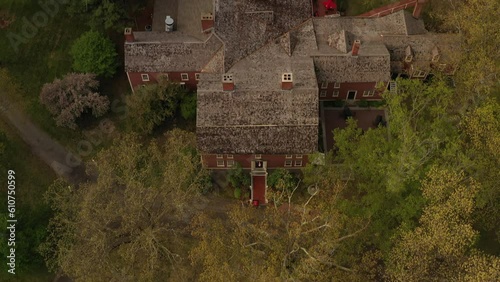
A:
168	52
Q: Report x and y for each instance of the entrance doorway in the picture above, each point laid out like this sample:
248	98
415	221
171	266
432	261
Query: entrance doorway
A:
351	95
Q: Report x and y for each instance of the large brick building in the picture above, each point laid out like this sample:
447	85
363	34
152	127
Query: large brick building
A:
261	69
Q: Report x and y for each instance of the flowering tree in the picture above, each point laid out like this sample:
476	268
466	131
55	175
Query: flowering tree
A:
68	98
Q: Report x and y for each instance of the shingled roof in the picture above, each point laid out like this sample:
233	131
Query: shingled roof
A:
423	46
246	25
168	52
258	116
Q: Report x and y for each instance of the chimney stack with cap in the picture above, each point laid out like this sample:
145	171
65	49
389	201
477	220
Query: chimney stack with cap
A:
287	81
207	22
227	82
129	35
355	47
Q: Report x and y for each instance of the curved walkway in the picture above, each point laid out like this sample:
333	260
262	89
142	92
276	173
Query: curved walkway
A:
50	151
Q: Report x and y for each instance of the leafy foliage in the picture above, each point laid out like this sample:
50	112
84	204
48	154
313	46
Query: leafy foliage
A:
436	249
282	178
150	105
94	53
280	243
238	177
127	224
188	106
101	14
68	98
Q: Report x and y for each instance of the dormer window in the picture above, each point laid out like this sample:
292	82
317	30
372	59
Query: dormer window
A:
145	77
435	55
408	54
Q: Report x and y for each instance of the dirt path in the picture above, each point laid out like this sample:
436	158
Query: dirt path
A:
42	145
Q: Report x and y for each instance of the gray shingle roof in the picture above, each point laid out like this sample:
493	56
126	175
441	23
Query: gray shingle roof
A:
168	52
247	25
258	116
422	46
258	139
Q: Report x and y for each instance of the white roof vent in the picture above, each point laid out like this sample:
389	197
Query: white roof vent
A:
169	24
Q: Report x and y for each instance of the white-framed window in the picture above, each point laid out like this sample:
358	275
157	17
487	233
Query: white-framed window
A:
220	156
368	93
336	93
229	156
288	156
184	76
220	163
298	163
230	163
336	85
419	74
324	85
322	93
145	77
258	156
288	163
298	156
197	76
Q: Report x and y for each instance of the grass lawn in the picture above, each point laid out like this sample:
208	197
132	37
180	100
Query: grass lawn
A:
45	56
32	179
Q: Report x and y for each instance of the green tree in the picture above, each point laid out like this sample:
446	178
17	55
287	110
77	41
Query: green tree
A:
150	105
238	177
127	225
100	14
296	241
94	53
188	106
481	146
439	247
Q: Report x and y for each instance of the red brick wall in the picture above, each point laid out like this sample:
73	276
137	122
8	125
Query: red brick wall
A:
273	161
360	87
136	79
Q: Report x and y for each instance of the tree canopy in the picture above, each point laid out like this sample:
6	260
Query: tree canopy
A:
68	98
128	224
150	105
94	53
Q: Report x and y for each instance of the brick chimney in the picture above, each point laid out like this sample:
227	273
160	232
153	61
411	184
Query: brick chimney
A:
418	8
207	22
129	35
287	81
227	82
355	47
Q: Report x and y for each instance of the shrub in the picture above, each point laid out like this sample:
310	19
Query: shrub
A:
94	53
150	105
205	182
238	177
67	98
237	193
188	106
281	178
